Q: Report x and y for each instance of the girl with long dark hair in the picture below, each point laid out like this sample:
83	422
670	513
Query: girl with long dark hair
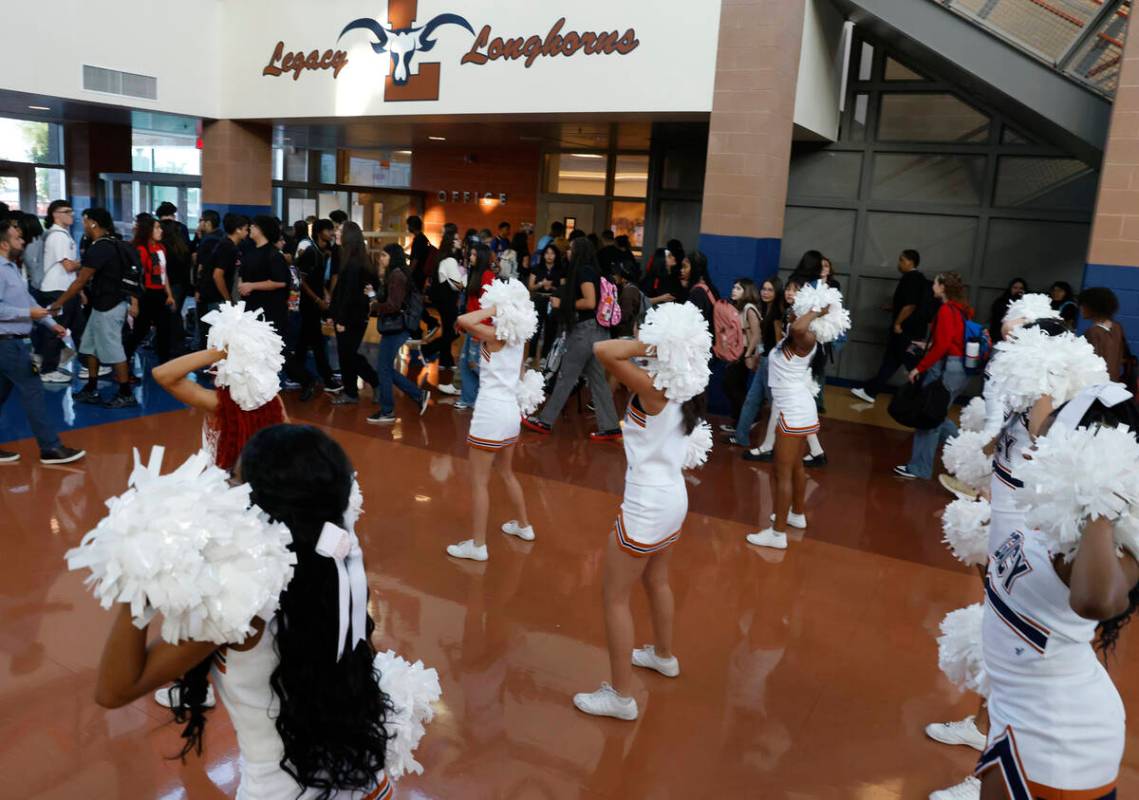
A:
661	283
544	281
697	283
771	310
480	274
349	312
745	297
1017	288
1064	302
446	288
575	306
396	279
157	301
179	270
310	721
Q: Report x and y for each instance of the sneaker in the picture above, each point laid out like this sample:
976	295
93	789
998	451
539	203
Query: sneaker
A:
606	436
956	487
89	396
862	395
307	392
815	461
85	375
424	399
290	386
449	388
344	400
334	387
168	696
903	471
380	418
512	528
647	657
795	520
467	549
968	789
61	455
768	538
532	423
7	457
727	429
961	732
56	376
121	401
755	454
461	406
605	702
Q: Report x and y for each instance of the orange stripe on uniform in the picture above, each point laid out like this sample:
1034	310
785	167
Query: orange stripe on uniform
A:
636	549
491	445
1042	792
382	792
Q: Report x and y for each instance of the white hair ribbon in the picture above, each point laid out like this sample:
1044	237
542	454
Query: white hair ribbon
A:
344	548
1109	394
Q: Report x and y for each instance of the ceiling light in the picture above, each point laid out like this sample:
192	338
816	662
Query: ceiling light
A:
403	152
587	155
39	108
437	138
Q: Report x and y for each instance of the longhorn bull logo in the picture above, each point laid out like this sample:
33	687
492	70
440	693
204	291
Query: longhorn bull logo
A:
404	43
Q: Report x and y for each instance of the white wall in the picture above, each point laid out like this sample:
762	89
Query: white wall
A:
820	70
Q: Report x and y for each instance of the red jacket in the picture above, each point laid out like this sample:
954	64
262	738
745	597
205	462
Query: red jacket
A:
948	335
473	301
153	265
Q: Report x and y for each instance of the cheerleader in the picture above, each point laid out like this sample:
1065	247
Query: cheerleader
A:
1058	590
663	434
311	718
503	325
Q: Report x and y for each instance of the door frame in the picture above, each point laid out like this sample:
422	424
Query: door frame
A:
26	175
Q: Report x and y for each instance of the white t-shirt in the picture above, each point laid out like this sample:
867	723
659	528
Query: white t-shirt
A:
450	270
57	247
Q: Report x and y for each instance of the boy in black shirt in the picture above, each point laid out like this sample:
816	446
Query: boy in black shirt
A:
313	265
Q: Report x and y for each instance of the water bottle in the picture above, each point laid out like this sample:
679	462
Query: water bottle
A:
972	354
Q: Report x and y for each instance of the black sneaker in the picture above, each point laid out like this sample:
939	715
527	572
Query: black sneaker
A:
756	454
61	455
121	401
7	457
380	418
89	396
307	392
815	461
334	387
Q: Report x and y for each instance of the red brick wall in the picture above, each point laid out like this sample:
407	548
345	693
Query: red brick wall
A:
514	171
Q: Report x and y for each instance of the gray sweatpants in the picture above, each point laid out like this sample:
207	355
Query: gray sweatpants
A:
579	357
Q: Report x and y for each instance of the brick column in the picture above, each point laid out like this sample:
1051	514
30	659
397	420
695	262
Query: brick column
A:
749	139
237	167
1113	255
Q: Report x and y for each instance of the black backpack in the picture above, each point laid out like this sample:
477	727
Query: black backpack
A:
128	281
412	311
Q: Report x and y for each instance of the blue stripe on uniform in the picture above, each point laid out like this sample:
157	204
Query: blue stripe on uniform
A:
1025	629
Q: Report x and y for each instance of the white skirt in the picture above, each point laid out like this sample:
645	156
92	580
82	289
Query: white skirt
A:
798	414
650	518
495	424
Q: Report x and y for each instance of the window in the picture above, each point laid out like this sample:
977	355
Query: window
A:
153	151
380	169
628	219
896	71
829	230
825	173
856	126
30	142
632	177
51	184
1050	183
576	173
946	241
930	117
928	178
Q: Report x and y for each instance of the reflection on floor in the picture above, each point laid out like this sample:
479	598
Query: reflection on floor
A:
806	674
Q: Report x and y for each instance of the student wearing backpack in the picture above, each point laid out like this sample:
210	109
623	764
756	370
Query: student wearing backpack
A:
111	268
745	298
401	301
58	258
944	360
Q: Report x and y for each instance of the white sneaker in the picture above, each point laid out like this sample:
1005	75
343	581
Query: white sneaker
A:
968	789
461	406
467	549
862	395
56	376
605	702
85	375
168	696
512	528
957	488
795	520
449	388
768	538
961	732
647	657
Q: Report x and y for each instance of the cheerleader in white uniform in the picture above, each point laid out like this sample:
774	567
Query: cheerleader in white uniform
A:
503	325
1057	721
661	416
310	716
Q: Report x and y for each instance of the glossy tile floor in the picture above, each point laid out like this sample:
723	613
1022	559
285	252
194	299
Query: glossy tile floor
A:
806	674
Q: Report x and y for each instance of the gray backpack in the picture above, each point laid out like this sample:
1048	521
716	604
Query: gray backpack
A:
34	259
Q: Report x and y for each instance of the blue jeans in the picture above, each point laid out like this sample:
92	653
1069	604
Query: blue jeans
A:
16	373
926	443
390	343
756	393
469	370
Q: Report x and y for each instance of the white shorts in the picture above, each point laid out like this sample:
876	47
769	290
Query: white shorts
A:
1063	739
495	424
650	518
798	414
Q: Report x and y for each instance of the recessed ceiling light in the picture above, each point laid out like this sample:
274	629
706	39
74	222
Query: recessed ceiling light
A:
437	138
587	155
403	152
39	108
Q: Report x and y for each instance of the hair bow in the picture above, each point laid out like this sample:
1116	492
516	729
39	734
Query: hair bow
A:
1109	394
344	548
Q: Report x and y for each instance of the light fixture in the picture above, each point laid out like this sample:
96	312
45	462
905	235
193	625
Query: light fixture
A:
587	155
39	108
403	152
437	138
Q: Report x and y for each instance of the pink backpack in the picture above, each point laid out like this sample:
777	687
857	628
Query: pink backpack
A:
727	330
608	309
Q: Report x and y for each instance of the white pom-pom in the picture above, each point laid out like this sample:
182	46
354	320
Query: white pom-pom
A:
1078	475
959	652
515	319
254	354
1030	364
834	323
412	689
683	346
966	527
964	457
190	547
697	445
355	508
973	416
531	391
1031	307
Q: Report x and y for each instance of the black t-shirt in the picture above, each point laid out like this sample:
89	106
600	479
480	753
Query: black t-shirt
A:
587	275
207	246
266	263
912	290
542	273
311	264
104	257
225	257
178	269
607	258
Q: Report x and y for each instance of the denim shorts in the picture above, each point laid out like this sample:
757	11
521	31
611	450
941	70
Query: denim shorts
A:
103	336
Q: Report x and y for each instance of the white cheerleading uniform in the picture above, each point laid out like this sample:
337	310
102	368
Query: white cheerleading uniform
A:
497	419
241	679
656	499
789	378
1013	446
1057	721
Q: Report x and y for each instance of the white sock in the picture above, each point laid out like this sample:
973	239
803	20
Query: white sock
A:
813	444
